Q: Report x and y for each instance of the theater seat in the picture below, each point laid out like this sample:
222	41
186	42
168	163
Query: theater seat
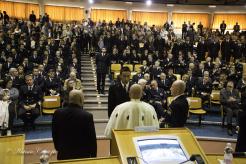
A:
178	76
137	67
115	69
130	66
196	107
50	104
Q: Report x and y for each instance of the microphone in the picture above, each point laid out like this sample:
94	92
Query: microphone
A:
195	157
239	154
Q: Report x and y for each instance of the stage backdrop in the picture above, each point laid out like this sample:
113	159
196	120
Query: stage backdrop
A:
179	18
152	18
230	20
107	15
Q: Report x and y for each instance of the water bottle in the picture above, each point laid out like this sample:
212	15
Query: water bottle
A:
44	158
228	154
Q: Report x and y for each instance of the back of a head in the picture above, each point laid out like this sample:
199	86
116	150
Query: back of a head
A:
76	97
135	91
178	87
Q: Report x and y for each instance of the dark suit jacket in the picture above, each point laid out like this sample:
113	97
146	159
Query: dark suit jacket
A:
225	95
73	133
178	112
30	97
241	142
102	63
117	95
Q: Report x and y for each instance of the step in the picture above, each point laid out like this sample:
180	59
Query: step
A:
99	114
95	95
86	68
88	71
96	101
94	88
88	79
95	98
100	128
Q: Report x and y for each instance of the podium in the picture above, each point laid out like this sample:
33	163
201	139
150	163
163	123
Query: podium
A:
122	144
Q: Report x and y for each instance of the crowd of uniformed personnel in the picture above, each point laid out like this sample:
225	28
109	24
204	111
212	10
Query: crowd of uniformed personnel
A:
38	55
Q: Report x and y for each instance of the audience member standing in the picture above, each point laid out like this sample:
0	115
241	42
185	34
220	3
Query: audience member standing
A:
177	112
223	27
132	113
118	92
32	17
102	64
236	27
73	130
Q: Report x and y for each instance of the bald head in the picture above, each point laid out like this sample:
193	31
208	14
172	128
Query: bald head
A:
76	97
135	91
178	88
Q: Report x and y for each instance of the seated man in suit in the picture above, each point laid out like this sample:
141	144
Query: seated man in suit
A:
72	76
52	84
177	112
157	98
73	130
132	113
30	100
230	99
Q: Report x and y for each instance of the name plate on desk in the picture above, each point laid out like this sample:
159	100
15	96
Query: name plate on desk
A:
146	129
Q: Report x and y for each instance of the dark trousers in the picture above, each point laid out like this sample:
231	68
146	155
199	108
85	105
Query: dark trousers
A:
28	116
229	114
101	81
12	115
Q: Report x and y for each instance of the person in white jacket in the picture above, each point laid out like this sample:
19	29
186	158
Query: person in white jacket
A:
132	113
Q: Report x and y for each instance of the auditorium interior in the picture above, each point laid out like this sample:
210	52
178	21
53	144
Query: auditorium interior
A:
50	47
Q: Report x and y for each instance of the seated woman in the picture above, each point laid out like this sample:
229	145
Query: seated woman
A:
10	95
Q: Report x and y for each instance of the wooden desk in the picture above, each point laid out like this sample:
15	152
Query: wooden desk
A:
110	160
12	149
214	159
122	142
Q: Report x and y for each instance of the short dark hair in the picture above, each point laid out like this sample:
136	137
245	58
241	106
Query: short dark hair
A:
125	69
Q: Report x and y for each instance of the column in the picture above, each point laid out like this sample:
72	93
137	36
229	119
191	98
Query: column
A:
41	7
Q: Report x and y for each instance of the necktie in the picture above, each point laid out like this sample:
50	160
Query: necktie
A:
125	87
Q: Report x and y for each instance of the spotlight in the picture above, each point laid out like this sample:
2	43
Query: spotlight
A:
91	1
148	2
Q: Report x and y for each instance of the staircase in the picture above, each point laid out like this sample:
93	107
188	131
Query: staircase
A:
95	103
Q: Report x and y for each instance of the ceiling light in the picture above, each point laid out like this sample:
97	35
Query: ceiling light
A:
212	6
129	3
170	5
91	1
148	2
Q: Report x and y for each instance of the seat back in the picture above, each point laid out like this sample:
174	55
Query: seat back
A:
215	95
9	148
137	67
178	76
130	66
115	67
50	104
195	102
169	100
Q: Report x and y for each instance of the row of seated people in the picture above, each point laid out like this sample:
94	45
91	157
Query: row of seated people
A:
156	92
33	65
25	102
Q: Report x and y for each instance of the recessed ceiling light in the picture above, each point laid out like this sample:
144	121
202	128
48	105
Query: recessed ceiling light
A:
212	6
148	2
170	5
129	3
91	1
